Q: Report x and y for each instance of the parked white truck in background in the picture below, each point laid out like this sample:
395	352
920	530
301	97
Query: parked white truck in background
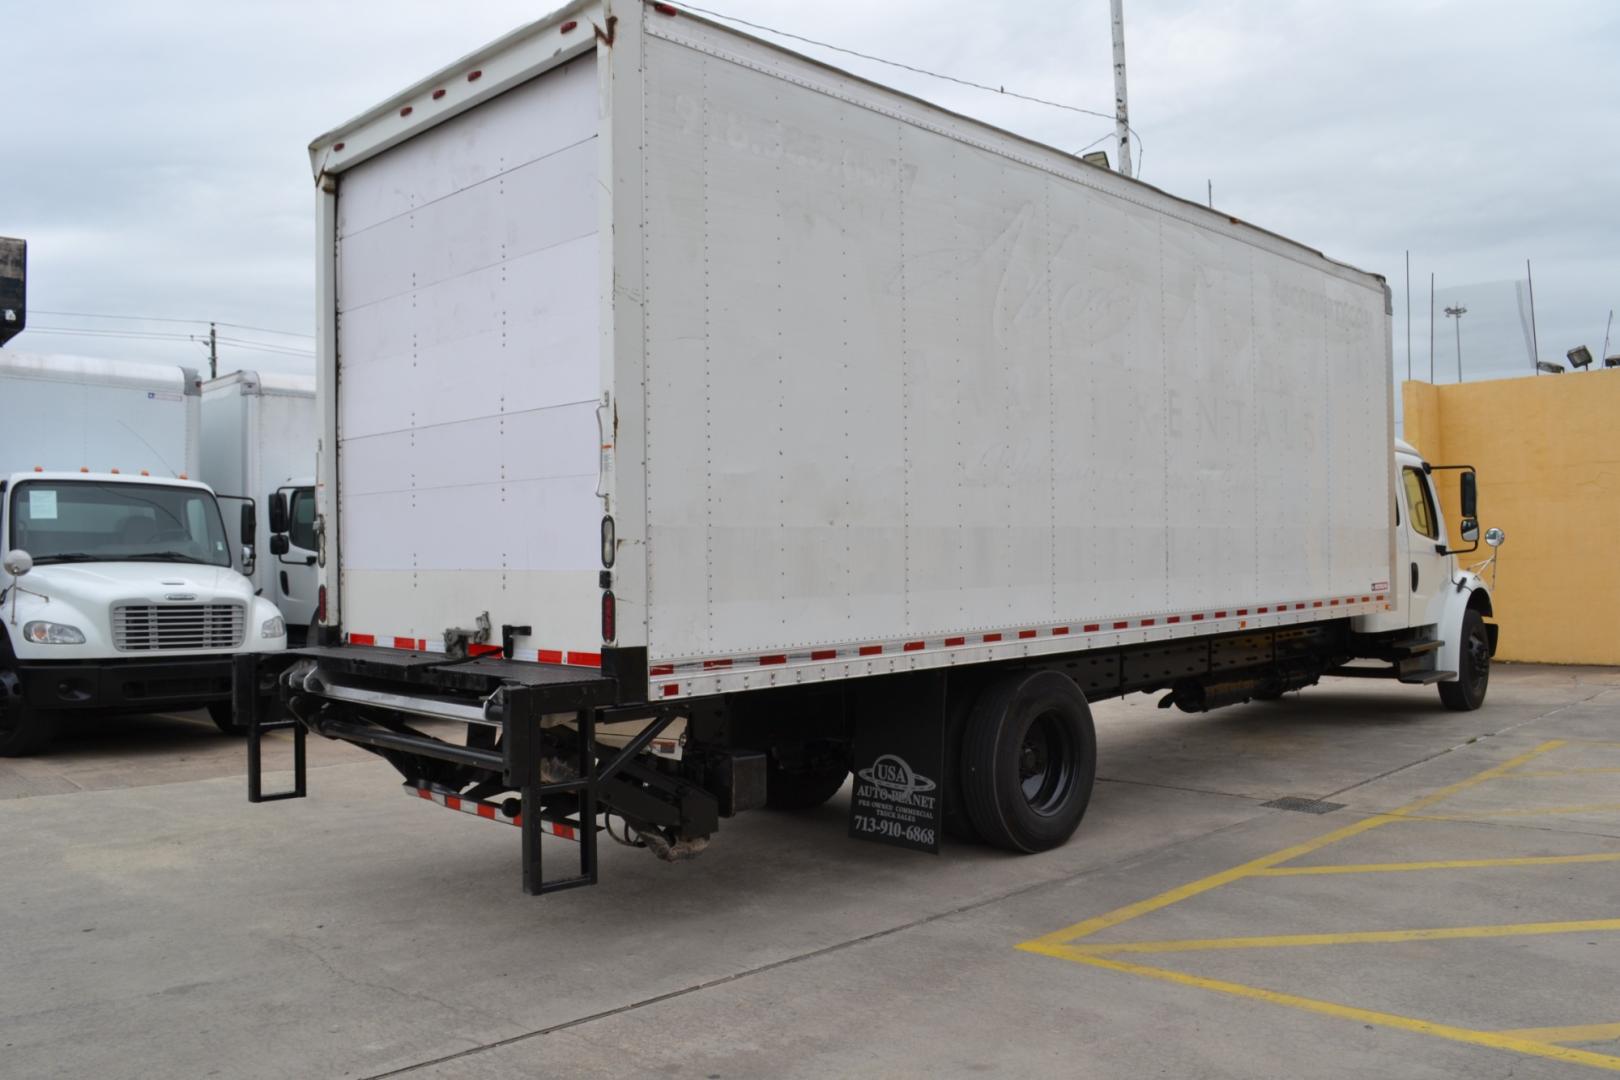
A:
708	423
117	589
259	431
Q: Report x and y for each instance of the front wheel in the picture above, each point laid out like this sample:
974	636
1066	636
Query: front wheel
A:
24	729
1473	667
1029	759
223	714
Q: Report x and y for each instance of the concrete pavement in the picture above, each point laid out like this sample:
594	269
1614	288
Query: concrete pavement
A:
159	925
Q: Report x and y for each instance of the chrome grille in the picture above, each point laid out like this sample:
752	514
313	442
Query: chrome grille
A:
147	627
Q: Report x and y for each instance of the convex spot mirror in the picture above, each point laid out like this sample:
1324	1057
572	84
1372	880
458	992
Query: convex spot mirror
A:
18	562
1495	537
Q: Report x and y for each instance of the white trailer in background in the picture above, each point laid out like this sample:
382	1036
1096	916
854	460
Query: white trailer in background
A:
259	434
709	423
120	586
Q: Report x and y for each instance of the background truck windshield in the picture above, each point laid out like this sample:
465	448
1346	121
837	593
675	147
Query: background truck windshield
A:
90	521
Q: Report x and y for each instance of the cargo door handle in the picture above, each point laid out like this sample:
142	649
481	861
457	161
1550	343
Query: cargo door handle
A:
1414	577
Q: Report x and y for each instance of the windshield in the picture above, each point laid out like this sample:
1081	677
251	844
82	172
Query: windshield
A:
96	521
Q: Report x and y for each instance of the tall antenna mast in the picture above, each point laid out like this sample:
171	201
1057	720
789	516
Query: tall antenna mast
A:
1122	126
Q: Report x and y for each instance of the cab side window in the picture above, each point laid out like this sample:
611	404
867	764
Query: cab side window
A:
1420	504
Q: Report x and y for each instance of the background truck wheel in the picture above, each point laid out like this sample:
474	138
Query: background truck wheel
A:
1473	666
801	790
1029	758
223	714
23	729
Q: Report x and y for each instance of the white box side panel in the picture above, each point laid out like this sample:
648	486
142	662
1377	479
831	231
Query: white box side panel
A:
58	422
469	375
901	385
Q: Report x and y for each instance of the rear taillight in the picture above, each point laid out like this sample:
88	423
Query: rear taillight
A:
609	617
320	605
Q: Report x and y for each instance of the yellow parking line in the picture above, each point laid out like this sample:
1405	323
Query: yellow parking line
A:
1579	1033
1172	896
1537	811
1438	864
1541	773
1494	1039
1361	937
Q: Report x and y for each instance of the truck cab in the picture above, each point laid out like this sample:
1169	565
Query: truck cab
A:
120	592
293	549
1439	621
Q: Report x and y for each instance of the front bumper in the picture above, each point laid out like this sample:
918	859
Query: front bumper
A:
126	684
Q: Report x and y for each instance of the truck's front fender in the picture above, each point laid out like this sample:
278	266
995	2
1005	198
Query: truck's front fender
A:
1466	592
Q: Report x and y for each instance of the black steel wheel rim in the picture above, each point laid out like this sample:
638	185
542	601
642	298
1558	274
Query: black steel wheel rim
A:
1046	765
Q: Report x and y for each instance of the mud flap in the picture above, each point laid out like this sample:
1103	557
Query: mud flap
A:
899	762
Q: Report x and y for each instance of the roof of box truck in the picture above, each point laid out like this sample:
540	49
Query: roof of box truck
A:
488	71
290	383
61	367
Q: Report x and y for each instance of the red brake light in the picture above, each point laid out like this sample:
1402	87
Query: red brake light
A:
609	617
320	605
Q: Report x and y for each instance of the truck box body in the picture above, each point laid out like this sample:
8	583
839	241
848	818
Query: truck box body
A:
863	385
74	412
259	434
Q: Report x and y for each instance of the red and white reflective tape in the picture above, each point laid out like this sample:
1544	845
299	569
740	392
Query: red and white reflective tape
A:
571	657
1236	618
489	811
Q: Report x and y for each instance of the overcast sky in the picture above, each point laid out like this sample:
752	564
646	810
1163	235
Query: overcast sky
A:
154	156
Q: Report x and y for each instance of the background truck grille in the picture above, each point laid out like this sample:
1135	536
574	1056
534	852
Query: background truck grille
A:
144	627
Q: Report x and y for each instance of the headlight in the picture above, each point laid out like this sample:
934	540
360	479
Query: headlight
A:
53	633
275	627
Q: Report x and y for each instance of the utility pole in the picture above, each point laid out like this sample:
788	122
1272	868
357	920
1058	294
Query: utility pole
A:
1535	341
1122	127
213	351
1457	313
1431	327
1408	316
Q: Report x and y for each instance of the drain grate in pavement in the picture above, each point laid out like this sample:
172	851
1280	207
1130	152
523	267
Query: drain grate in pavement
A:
1303	805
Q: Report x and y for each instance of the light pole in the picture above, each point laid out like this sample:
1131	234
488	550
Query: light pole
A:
1457	313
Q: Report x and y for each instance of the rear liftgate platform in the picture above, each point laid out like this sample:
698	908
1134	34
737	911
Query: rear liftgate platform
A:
517	716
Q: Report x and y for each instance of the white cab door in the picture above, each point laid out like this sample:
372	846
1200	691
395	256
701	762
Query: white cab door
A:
1425	569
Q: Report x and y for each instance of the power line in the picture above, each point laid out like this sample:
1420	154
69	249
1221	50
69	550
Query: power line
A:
1002	90
153	335
159	319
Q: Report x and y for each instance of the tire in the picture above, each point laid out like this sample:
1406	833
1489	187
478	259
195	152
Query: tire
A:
801	790
223	714
1029	760
1473	667
1267	695
24	729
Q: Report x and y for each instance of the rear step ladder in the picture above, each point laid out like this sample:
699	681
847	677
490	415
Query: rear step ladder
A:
248	701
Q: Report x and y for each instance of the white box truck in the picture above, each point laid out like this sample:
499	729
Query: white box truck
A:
119	589
707	424
259	431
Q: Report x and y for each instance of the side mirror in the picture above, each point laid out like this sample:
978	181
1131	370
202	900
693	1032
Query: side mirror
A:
278	544
250	524
18	562
1470	530
1470	498
1495	537
278	512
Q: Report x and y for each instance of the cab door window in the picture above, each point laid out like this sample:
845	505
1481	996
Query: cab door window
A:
1420	504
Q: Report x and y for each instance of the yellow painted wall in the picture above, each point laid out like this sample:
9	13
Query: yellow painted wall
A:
1548	453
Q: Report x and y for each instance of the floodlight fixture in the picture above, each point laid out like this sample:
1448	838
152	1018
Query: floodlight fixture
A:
1551	367
1098	158
1611	361
1580	356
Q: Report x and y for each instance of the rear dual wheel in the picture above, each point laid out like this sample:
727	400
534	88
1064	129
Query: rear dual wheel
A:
1028	761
